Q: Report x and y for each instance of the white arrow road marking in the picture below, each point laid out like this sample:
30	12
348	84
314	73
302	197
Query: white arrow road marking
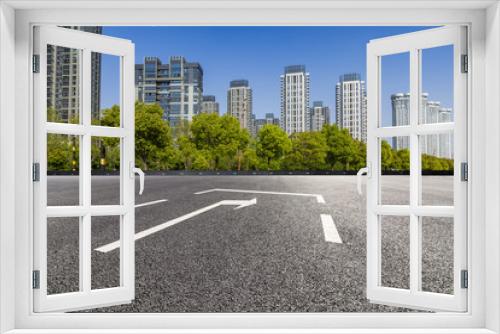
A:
330	230
319	198
240	204
151	203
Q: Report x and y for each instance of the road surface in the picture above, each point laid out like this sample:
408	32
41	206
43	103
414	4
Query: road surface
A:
284	253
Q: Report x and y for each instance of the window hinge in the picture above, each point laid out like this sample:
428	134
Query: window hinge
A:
465	64
36	172
36	63
36	279
464	279
464	171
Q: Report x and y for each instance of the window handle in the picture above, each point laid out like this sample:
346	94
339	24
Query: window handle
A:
135	170
364	170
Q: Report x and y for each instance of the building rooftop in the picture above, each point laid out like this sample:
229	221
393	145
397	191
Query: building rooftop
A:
208	98
239	83
295	68
350	77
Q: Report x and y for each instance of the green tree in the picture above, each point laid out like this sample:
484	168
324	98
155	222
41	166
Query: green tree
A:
187	151
403	159
153	136
222	139
309	151
271	146
387	156
62	152
344	152
432	163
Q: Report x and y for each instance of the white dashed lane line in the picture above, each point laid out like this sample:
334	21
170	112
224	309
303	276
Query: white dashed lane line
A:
330	230
151	203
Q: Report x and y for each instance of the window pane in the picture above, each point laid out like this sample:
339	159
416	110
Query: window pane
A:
106	89
395	251
437	254
395	97
437	85
105	266
63	156
394	169
105	171
63	255
63	84
437	169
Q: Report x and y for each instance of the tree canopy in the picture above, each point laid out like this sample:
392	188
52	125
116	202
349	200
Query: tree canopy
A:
213	142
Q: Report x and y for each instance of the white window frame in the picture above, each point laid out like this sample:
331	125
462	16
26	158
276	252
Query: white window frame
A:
16	21
413	44
85	43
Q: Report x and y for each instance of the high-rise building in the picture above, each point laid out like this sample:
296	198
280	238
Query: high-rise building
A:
438	145
239	103
177	87
320	115
63	80
350	97
445	139
260	122
400	116
253	126
295	99
209	105
270	119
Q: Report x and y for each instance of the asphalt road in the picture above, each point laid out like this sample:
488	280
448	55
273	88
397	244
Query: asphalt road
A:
267	257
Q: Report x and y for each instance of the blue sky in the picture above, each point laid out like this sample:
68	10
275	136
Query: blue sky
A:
259	55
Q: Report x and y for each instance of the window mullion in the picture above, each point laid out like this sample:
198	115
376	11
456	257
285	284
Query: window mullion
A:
415	251
85	173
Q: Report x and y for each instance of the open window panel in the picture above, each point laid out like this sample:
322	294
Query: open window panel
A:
434	230
69	273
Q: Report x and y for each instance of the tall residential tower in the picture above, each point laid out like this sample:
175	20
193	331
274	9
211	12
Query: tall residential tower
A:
209	105
438	145
295	99
320	115
239	103
63	80
176	86
350	97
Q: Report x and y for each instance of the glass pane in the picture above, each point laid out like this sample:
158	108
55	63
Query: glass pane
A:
105	266
395	251
105	171
395	171
395	97
437	254
63	241
106	87
437	169
63	156
437	85
63	84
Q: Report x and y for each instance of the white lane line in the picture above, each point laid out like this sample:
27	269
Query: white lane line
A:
319	198
330	230
139	235
150	203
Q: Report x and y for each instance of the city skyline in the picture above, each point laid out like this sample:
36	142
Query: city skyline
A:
343	50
